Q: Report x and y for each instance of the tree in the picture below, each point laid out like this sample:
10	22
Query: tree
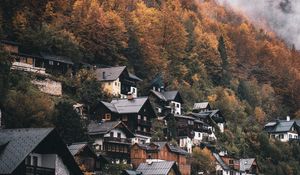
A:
68	123
226	77
202	161
4	75
158	134
172	127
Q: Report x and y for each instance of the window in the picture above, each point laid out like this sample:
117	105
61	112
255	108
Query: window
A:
145	129
119	135
177	105
138	128
290	136
145	118
231	162
34	161
139	117
28	160
199	134
281	136
220	172
107	116
111	134
116	83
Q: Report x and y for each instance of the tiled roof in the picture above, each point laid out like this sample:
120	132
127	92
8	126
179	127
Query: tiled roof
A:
76	148
125	106
110	74
19	143
156	168
202	105
102	128
245	164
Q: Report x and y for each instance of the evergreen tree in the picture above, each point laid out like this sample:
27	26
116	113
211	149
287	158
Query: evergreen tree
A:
226	76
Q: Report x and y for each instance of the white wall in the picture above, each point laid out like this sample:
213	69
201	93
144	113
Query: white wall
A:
286	136
48	160
175	110
60	167
221	127
186	143
116	131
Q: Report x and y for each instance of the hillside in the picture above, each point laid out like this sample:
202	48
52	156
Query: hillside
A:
206	51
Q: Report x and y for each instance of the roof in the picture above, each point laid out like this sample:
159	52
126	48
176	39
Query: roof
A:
134	77
156	168
57	58
160	145
184	116
105	127
221	162
110	74
131	172
166	95
280	126
245	164
125	106
20	142
76	148
202	105
110	106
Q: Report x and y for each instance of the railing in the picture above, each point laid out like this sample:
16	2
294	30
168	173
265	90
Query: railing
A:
35	170
118	140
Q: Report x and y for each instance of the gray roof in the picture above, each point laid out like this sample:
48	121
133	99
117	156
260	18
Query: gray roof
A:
160	145
57	58
132	76
110	74
156	168
19	143
132	172
245	164
125	106
165	95
280	126
221	162
76	148
184	116
110	106
202	105
102	128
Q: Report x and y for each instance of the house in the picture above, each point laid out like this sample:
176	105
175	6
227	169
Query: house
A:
55	64
159	168
212	117
35	151
201	132
201	107
283	130
136	113
111	139
85	157
166	102
117	81
81	110
131	172
222	167
248	167
156	151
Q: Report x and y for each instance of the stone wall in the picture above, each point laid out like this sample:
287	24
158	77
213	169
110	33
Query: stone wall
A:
49	86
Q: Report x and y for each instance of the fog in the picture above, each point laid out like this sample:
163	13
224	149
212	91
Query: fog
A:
282	16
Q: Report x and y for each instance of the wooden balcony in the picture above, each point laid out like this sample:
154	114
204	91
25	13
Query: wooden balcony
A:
35	170
117	140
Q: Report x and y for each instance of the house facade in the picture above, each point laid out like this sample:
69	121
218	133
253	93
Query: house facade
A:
111	139
135	113
35	151
141	153
117	81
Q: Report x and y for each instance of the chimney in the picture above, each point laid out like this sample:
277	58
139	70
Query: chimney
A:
288	118
103	75
129	96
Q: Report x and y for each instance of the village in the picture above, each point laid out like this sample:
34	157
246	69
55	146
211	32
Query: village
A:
121	130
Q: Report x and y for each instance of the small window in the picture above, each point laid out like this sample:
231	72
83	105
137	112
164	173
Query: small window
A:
119	135
139	117
107	116
28	160
145	118
116	83
177	105
199	134
145	129
231	162
124	118
138	128
51	63
111	134
34	161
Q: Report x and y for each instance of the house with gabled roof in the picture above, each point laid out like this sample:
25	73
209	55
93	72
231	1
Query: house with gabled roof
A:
248	166
136	113
283	130
157	151
201	107
111	139
117	81
35	151
85	157
159	168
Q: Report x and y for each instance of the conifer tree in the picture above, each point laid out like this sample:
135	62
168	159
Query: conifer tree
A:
226	77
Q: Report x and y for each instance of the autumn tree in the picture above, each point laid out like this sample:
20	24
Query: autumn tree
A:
202	161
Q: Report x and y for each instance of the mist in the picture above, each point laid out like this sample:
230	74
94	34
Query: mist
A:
282	16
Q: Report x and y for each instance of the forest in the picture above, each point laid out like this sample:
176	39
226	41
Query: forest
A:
207	51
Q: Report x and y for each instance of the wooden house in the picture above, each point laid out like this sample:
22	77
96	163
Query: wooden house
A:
111	139
35	151
136	113
117	81
85	157
140	153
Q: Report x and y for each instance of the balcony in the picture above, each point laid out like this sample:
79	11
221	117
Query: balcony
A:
117	140
35	170
143	122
